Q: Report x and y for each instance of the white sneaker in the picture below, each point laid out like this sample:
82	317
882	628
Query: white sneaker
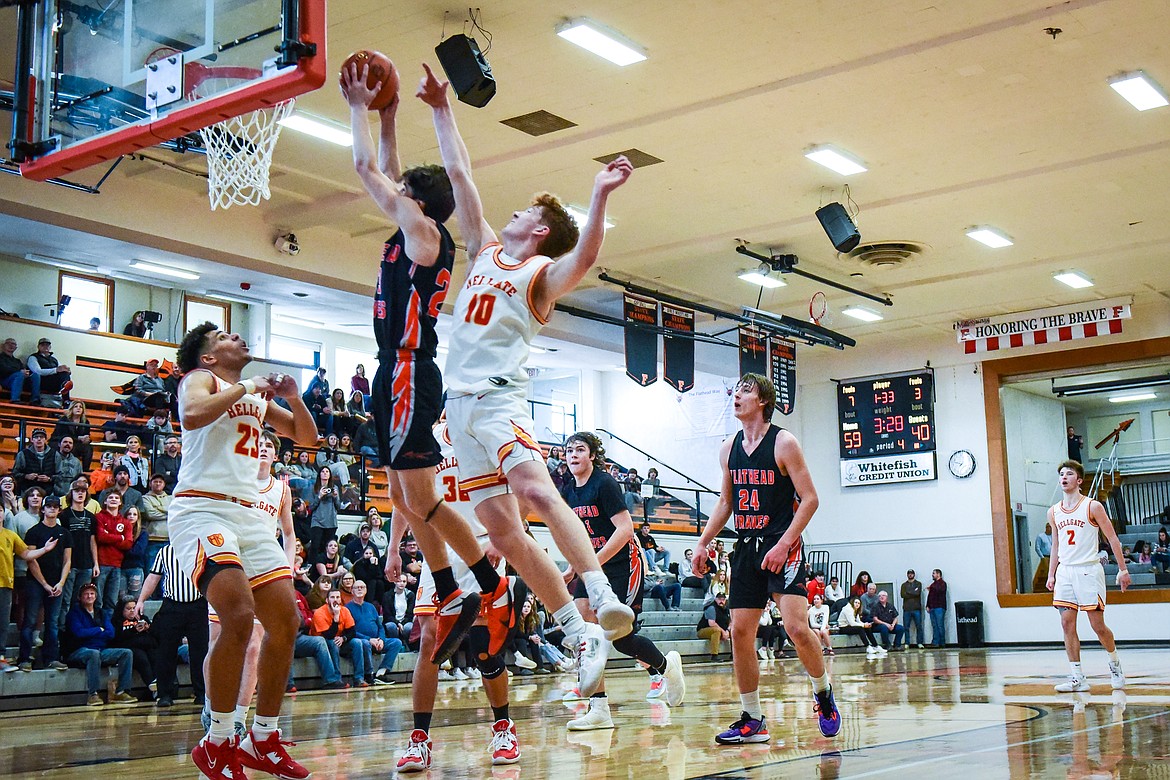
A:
444	675
474	673
871	652
1074	685
763	654
657	687
524	662
596	717
1116	676
459	674
882	652
676	684
591	658
615	618
417	756
771	654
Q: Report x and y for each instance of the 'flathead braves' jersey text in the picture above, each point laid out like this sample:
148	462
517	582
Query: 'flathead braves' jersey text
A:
763	499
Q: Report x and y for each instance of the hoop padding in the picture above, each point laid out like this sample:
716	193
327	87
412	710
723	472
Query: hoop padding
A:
239	155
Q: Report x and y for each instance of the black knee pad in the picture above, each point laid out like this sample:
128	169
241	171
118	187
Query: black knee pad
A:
490	666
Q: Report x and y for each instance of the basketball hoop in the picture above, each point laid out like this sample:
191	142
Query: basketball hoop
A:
239	149
818	307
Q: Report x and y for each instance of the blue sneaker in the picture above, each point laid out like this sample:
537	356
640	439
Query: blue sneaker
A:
745	730
828	716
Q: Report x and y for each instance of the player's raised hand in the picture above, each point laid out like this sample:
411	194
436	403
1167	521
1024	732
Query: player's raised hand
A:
284	386
431	90
613	175
354	88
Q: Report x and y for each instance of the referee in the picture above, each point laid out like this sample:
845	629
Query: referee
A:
183	614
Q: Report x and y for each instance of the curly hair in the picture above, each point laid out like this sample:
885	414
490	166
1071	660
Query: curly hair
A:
429	183
562	228
593	443
194	344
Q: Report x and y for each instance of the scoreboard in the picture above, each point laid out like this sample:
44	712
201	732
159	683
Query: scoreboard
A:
887	415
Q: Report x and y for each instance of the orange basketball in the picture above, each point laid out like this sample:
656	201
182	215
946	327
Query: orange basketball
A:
381	69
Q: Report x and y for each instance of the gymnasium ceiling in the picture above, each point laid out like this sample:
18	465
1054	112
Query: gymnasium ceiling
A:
966	113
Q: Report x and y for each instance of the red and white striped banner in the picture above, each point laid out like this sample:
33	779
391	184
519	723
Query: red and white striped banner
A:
1043	326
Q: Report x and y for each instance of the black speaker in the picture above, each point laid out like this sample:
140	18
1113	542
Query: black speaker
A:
467	69
839	227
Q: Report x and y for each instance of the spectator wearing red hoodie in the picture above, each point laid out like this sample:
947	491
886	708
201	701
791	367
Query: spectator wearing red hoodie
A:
115	535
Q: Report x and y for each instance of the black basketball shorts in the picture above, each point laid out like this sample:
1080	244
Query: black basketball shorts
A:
752	586
407	400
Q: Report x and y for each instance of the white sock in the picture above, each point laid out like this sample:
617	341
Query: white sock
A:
597	586
750	703
262	727
1113	659
221	727
571	621
1075	667
241	714
820	684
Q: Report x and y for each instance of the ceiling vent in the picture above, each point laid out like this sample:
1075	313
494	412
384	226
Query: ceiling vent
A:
637	158
886	254
538	123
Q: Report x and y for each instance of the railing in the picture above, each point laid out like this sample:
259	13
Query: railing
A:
559	422
1145	501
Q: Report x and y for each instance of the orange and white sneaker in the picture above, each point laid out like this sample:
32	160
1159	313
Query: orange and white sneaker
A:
454	618
269	756
219	762
500	611
505	746
417	756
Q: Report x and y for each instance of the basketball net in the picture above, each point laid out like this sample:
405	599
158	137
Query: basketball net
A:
239	155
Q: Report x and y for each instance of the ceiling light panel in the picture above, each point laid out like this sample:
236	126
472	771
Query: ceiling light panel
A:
763	280
1142	92
319	128
602	41
1073	279
165	270
836	160
862	313
989	236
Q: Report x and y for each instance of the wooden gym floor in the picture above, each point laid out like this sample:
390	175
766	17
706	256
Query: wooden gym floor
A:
943	714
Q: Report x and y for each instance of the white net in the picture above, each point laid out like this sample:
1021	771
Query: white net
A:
239	155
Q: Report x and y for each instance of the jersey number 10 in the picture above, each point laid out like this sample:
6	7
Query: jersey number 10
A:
480	309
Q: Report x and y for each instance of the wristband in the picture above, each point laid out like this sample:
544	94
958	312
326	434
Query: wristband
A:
248	385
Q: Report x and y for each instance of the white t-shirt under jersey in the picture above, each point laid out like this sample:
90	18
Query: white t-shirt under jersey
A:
1076	533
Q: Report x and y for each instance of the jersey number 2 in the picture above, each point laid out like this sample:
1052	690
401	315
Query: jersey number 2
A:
749	500
480	309
249	443
1072	535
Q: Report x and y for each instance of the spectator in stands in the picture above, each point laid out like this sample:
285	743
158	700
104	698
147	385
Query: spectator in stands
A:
338	409
54	376
309	645
666	589
137	464
129	495
335	624
1142	552
69	467
358	383
412	560
869	600
370	569
651	495
46	579
1161	554
134	561
885	619
719	585
75	424
14	374
319	380
632	490
156	506
657	556
835	597
95	323
91	503
936	605
102	478
345	586
115	535
816	587
327	564
13	548
302	520
860	585
324	505
116	431
159	423
183	613
715	624
771	632
690	580
318	405
89	633
303	475
82	525
150	390
1043	547
1075	443
850	622
357	410
300	570
8	499
27	515
377	536
136	327
355	548
818	621
525	646
132	631
329	456
370	636
398	611
365	441
36	464
911	592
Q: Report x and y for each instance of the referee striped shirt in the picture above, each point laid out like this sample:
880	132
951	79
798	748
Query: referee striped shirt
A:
175	585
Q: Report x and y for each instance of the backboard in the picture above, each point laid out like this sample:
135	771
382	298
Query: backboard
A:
107	77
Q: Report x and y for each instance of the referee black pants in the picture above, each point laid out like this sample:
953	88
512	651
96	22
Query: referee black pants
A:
175	620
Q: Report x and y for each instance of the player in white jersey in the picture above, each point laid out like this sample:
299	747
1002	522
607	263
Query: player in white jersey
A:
509	292
1076	577
226	550
504	745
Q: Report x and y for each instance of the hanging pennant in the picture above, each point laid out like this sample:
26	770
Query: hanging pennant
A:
784	373
753	350
678	352
641	342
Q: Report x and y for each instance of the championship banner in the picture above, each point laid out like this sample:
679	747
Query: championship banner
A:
641	342
784	373
753	351
678	352
1043	326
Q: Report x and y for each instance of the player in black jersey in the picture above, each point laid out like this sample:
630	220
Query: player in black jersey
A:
767	488
413	279
597	499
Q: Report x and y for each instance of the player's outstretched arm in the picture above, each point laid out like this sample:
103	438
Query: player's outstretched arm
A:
568	271
1097	513
719	515
380	171
468	208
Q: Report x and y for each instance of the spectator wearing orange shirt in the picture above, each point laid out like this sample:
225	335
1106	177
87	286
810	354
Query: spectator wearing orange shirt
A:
115	535
336	625
102	478
816	587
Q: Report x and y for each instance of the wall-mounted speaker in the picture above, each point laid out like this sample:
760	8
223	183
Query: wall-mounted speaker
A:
839	227
467	70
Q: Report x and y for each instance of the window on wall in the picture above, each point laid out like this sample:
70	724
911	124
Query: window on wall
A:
197	310
347	361
304	353
91	298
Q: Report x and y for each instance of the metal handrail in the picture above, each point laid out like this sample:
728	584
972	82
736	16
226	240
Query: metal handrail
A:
688	478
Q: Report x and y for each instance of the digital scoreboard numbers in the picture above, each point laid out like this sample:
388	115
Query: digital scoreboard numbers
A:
882	416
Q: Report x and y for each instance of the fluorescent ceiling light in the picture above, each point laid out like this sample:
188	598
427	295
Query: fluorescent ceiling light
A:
836	160
1122	399
862	313
297	321
1074	279
989	236
580	216
1091	388
53	261
319	128
1142	92
763	280
234	299
164	270
602	41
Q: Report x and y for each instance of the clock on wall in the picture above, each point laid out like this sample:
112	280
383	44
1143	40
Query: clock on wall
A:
961	464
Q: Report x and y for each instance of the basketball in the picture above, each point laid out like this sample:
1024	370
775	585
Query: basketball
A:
381	69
